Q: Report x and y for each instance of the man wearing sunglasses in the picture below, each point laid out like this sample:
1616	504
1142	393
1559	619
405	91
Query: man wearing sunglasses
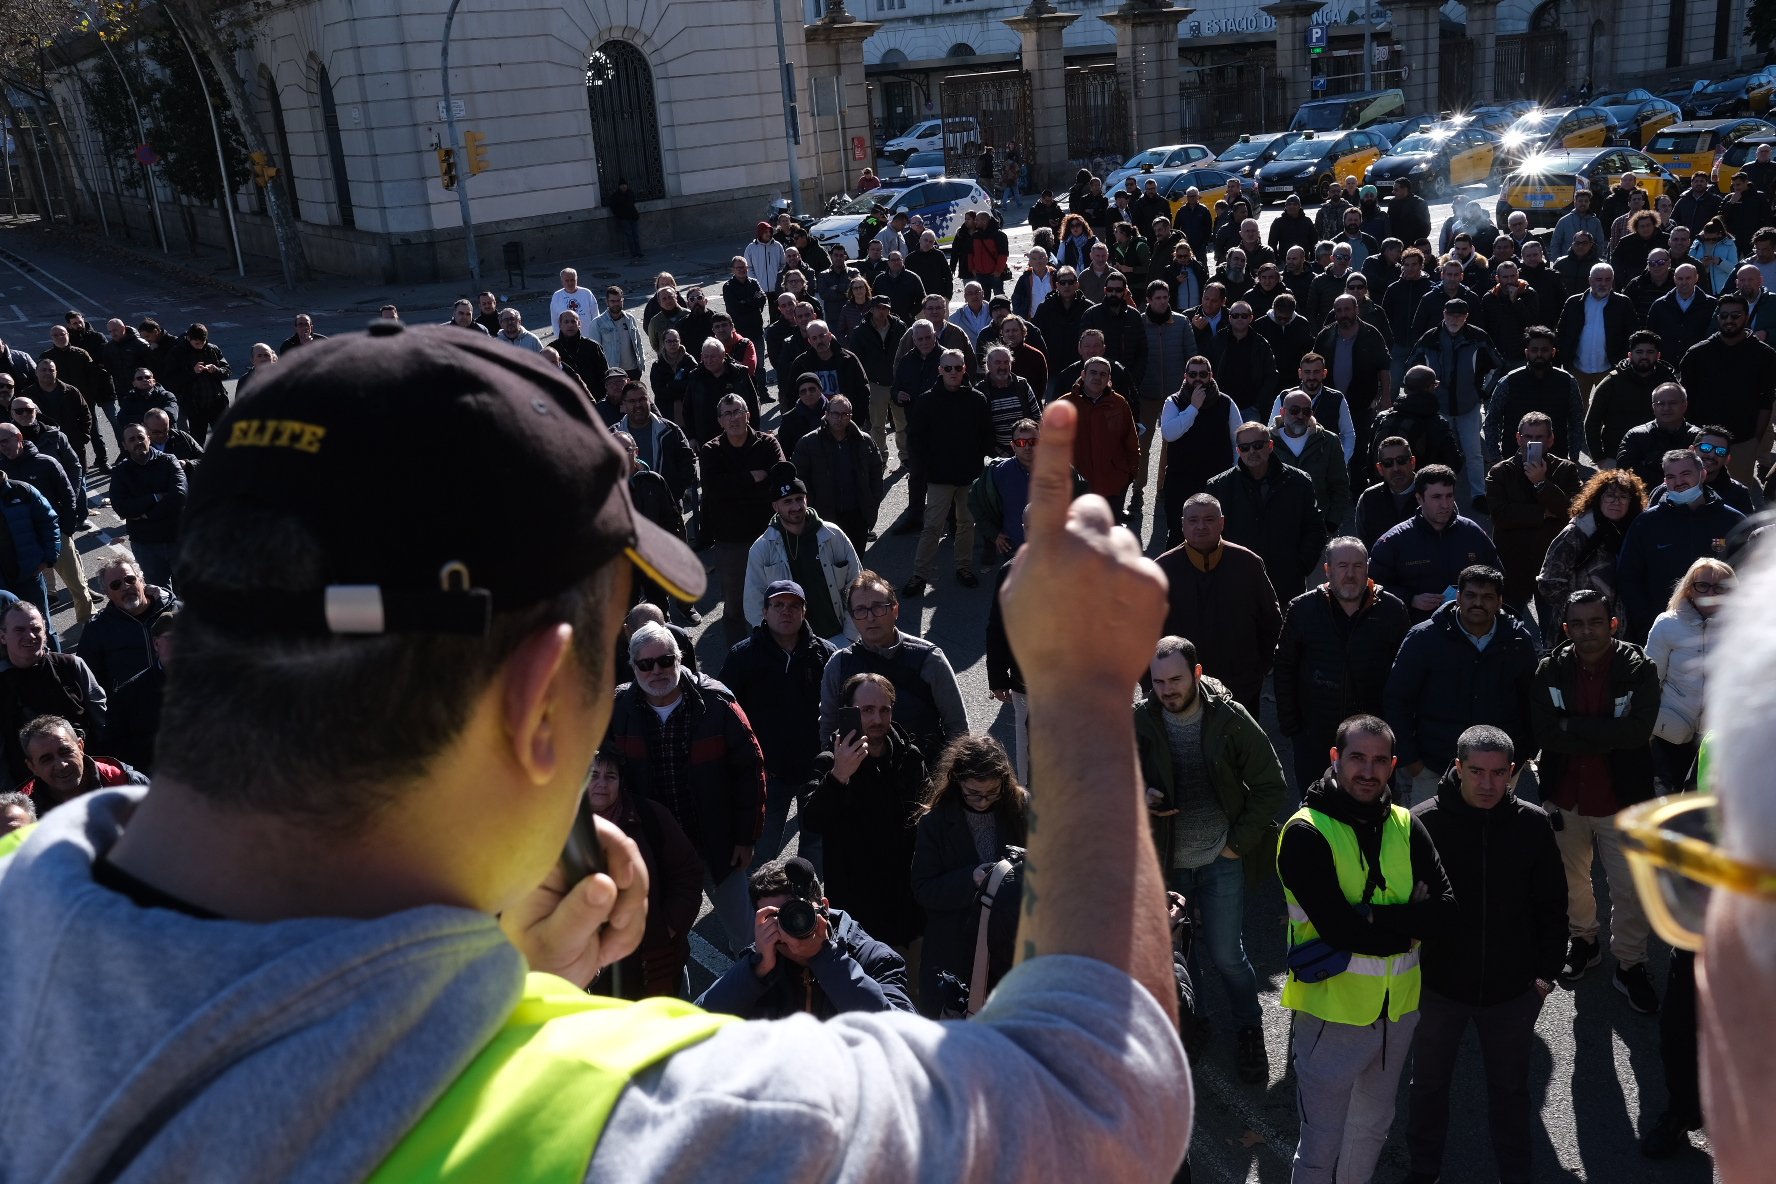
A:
690	747
117	643
1390	501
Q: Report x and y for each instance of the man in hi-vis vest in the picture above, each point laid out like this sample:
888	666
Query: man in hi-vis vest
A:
301	954
1363	886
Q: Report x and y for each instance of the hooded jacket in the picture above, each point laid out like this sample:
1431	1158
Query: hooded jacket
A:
31	530
1442	684
1664	540
1620	735
1554	392
116	645
1322	459
1508	925
46	476
867	824
780	692
149	496
1414	418
52	442
1621	400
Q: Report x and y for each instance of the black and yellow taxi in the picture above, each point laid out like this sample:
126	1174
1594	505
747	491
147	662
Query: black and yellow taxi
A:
1746	94
1696	145
1550	129
1542	186
1639	114
1438	159
1737	155
1305	167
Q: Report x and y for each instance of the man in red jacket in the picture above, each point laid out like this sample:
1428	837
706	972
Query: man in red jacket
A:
1108	449
55	751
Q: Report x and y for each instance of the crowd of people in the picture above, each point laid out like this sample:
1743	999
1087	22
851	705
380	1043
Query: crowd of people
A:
1460	505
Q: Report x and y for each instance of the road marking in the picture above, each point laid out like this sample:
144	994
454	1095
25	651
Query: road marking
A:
1228	1094
6	257
708	957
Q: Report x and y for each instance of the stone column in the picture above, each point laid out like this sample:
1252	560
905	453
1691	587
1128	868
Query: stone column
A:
1147	62
1294	67
1040	29
834	47
1417	34
1483	36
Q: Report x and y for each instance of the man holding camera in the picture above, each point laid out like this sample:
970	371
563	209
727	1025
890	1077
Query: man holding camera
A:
806	956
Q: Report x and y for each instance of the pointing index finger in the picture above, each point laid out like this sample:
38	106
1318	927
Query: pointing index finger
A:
1051	478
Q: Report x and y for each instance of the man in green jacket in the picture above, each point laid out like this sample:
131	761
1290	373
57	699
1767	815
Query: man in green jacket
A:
1214	785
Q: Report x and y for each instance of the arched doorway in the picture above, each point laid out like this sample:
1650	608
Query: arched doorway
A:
625	123
286	178
335	146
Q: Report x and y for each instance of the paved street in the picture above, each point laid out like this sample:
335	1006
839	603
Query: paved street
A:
1594	1059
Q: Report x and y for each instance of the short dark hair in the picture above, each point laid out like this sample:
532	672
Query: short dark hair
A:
780	878
1586	596
277	724
1540	332
1715	429
1731	298
1371	725
44	725
21	800
869	579
1433	475
1645	337
1484	738
1173	644
1480	573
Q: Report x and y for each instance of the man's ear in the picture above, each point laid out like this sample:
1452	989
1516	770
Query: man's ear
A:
531	688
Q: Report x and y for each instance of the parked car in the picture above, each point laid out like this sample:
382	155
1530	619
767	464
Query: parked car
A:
940	203
1210	184
1349	112
1308	165
922	166
1251	152
1494	117
931	135
1168	156
1697	145
1737	155
1399	129
1747	94
1543	185
1639	114
1551	129
1439	159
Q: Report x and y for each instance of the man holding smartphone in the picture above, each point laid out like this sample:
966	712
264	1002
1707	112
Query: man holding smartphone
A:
1529	492
325	915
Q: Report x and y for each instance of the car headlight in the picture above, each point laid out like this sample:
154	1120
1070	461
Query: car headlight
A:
1423	166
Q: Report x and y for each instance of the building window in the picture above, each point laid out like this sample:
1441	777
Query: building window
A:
335	147
286	180
625	123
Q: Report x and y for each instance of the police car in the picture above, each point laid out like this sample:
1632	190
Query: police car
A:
939	202
1542	186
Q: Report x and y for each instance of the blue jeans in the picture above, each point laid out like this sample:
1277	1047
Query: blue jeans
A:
1217	892
1397	366
631	231
1466	427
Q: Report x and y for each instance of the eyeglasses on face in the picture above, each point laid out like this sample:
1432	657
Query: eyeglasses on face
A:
1394	462
1719	450
1672	850
864	612
1196	374
122	582
664	662
1298	412
1254	446
953	369
1710	587
1021	442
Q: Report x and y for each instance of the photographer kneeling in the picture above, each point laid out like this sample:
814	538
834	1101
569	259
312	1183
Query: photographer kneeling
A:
806	956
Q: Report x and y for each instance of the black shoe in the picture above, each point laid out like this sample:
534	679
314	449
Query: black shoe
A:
1252	1059
907	526
692	616
1135	502
870	537
912	588
968	579
1634	982
1478	505
1669	1135
1581	956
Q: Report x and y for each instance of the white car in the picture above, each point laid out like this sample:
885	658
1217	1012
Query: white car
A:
1167	156
940	203
929	136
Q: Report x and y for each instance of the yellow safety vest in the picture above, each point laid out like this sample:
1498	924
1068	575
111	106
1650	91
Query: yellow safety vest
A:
530	1107
1356	996
13	840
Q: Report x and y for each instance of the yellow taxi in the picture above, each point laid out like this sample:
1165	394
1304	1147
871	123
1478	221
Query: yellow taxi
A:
1695	145
1549	129
1306	166
1638	114
1543	185
1438	159
1737	155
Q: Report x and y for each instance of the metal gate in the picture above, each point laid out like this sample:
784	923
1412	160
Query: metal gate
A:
1531	65
1097	117
1222	100
1455	72
979	109
625	125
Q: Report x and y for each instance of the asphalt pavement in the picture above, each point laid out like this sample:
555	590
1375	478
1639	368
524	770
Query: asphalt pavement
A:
1594	1057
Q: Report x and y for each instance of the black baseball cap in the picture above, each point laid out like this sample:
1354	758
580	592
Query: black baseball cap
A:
350	423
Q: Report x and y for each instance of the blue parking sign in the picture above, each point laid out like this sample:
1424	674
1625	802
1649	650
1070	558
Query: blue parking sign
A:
1316	36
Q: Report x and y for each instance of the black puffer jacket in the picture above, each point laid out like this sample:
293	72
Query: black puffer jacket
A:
116	645
46	476
1282	521
1509	924
780	691
1331	665
868	825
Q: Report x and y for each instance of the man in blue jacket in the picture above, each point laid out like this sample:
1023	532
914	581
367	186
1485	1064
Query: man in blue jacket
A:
1689	522
1471	663
32	542
1419	559
835	968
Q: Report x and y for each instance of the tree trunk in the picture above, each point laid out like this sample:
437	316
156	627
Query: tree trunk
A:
64	151
203	33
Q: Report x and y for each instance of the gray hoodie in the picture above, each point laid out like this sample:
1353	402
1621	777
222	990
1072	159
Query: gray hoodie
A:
146	1044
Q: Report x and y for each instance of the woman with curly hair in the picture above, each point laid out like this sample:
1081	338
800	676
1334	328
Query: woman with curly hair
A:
1583	554
1076	242
973	810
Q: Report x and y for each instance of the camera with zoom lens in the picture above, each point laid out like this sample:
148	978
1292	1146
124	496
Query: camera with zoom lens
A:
799	918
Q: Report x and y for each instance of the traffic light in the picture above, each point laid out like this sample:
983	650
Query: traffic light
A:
447	167
474	149
263	171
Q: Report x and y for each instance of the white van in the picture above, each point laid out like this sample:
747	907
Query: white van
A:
929	136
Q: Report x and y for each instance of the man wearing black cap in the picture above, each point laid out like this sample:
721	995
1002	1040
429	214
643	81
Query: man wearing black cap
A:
798	546
309	875
195	374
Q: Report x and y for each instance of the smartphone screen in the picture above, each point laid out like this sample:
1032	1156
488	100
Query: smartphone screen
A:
849	720
1532	451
